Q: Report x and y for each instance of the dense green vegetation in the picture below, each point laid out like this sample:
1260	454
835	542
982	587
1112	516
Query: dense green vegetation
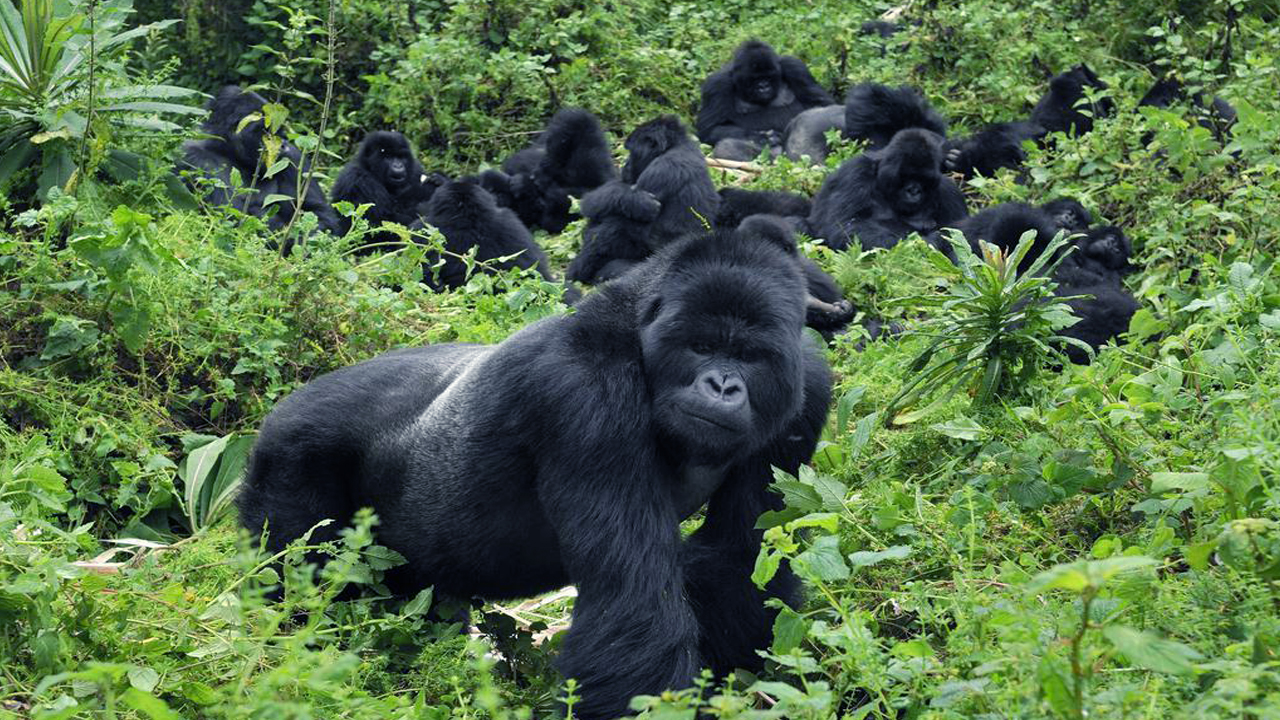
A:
1097	541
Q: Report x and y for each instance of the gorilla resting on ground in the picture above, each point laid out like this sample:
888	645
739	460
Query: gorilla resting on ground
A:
570	453
1217	117
806	134
242	150
876	113
747	104
1060	110
883	195
1103	317
664	165
1003	226
385	174
468	217
737	203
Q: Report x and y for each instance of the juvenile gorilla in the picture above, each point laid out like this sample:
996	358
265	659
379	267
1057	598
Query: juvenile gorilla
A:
747	104
1064	107
736	204
883	195
1217	116
570	453
241	150
876	113
385	174
570	158
617	234
468	217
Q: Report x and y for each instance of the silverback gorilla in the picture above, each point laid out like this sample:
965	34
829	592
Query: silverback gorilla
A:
747	104
570	453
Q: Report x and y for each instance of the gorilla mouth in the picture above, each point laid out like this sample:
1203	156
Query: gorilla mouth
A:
397	177
709	420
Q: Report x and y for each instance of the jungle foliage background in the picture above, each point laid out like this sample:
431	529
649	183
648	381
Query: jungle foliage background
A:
1097	541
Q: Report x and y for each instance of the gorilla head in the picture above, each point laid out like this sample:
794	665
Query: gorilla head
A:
709	330
1107	247
387	157
227	109
757	72
649	141
1068	214
908	172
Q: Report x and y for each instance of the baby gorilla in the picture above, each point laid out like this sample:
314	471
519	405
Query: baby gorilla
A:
883	195
571	452
241	149
747	104
468	217
385	174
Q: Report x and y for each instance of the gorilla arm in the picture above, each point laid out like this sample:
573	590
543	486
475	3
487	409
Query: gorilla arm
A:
808	92
716	115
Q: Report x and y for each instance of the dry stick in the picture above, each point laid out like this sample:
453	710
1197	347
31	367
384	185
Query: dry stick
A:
329	73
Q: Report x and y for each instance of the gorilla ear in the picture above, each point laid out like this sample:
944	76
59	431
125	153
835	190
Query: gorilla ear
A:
770	228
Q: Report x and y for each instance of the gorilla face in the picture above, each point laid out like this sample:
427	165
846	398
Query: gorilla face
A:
721	349
1108	246
1068	214
387	157
757	73
908	173
649	141
227	113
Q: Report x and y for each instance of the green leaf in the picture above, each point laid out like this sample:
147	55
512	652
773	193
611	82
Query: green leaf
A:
961	428
148	704
1162	482
789	630
420	603
767	564
1152	652
822	560
868	558
143	678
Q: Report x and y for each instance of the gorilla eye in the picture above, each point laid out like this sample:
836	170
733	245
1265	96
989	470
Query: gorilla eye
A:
703	348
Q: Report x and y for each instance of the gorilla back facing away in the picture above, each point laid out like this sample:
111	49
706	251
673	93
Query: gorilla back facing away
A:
570	453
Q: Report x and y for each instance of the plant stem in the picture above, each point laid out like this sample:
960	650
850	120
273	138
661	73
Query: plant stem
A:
88	123
330	75
1077	671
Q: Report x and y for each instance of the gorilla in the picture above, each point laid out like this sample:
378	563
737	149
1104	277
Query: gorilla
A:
881	196
1064	107
1102	255
570	453
1003	225
1068	214
665	162
875	113
386	175
1000	145
1104	314
736	204
467	215
1217	117
664	166
232	148
747	104
826	309
571	157
616	237
806	134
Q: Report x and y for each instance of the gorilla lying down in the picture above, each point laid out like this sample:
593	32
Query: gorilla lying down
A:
570	453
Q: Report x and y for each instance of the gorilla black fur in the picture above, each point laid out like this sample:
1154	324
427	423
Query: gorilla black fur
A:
881	196
241	150
468	216
616	237
875	113
571	157
747	104
665	162
736	204
1068	214
570	453
826	309
1064	108
1217	116
996	146
806	134
1003	225
386	175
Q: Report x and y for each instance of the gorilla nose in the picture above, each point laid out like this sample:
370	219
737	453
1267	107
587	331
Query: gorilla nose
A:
722	387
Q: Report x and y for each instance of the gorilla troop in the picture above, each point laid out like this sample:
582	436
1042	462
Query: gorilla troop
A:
571	452
747	104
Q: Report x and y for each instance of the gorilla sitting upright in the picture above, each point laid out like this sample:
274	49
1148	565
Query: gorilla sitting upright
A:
385	175
747	104
665	172
571	452
241	149
881	196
